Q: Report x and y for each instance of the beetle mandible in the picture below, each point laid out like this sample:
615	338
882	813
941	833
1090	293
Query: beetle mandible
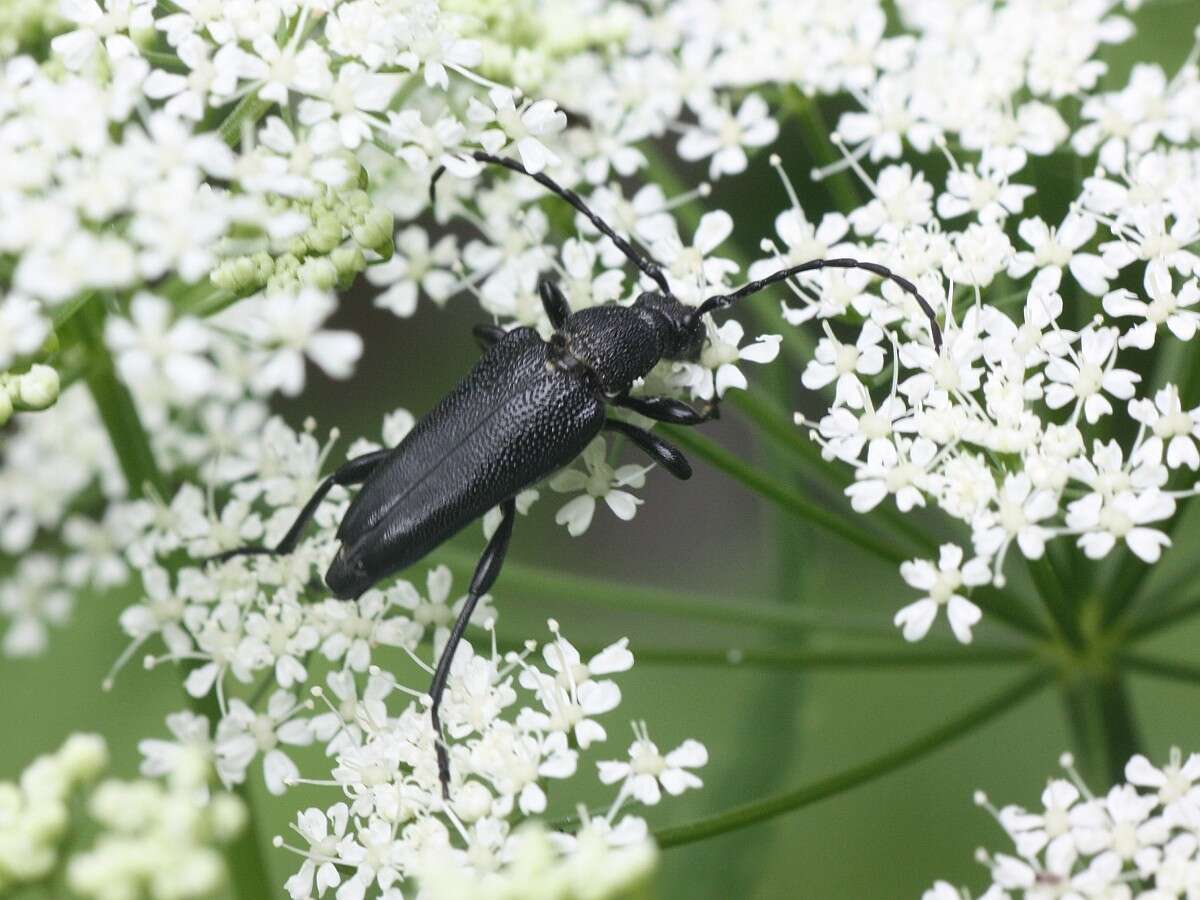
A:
527	408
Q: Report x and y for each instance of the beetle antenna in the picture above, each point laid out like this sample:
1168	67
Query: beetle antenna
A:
712	304
647	265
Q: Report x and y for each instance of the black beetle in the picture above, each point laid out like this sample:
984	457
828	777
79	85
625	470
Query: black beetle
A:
526	409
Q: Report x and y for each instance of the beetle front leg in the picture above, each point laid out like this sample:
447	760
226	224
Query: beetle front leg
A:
667	455
354	471
485	576
487	335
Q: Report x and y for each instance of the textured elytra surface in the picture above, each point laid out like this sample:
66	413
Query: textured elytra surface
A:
509	423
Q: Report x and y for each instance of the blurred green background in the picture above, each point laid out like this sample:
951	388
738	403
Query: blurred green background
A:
765	730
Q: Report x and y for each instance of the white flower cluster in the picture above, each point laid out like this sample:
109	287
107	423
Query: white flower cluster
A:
154	840
1139	840
1035	421
517	727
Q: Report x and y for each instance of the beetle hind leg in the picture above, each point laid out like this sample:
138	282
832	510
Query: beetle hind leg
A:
486	571
354	471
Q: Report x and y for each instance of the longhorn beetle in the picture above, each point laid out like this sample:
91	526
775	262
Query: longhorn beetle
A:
526	409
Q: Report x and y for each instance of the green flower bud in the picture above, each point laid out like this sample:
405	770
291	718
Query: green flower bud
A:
38	388
375	233
287	264
319	272
348	261
325	234
6	405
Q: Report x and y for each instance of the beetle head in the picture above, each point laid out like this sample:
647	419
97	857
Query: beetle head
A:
680	330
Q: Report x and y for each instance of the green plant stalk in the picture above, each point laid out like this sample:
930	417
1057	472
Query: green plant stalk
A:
815	133
806	660
798	798
1161	668
248	870
786	498
778	427
532	581
115	404
1102	727
248	111
1054	596
1165	615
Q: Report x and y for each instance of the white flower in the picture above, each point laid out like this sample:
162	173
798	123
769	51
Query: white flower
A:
288	327
1165	307
1101	522
350	100
722	135
524	126
1169	425
943	584
22	328
717	370
600	481
242	734
648	773
692	272
149	345
1087	376
1054	249
844	363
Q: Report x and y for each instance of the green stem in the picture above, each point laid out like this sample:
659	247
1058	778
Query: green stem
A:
815	134
802	660
115	404
1161	668
1167	615
519	579
1102	726
248	111
1054	596
248	870
777	426
788	801
787	499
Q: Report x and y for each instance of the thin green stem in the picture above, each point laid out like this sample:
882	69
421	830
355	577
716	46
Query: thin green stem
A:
118	412
1102	725
789	801
777	426
246	113
249	877
531	581
815	134
1161	668
806	660
1168	615
787	499
1054	596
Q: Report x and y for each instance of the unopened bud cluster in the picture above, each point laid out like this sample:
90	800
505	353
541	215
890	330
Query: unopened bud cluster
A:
343	228
31	391
155	840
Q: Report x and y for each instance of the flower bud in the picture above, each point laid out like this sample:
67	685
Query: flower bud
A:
38	388
348	261
6	406
325	234
83	756
318	272
375	232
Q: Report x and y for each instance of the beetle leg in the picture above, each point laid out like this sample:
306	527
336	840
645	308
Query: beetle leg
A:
668	409
353	471
486	571
553	301
667	455
488	335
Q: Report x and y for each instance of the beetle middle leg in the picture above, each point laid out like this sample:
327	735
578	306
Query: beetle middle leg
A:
353	471
667	455
485	576
669	410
